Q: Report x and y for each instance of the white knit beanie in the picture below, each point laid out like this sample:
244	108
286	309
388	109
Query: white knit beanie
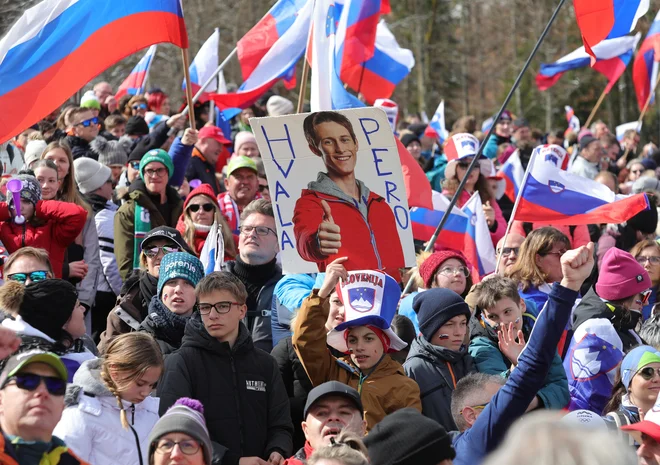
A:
279	106
243	137
90	174
33	151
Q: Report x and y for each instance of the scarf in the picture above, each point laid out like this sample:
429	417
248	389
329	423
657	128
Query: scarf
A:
142	225
148	287
168	325
230	210
254	277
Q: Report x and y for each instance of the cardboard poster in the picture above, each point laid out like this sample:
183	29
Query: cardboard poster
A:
337	189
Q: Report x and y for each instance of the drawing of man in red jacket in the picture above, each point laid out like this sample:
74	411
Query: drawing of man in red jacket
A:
337	215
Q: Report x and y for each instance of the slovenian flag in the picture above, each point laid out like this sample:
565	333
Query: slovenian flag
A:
606	19
512	172
437	128
425	221
134	83
203	67
58	46
478	246
612	57
551	195
645	66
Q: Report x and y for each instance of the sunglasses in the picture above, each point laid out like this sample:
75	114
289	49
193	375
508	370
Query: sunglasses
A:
34	276
263	187
135	165
646	295
141	106
152	252
648	372
30	382
207	207
506	251
88	122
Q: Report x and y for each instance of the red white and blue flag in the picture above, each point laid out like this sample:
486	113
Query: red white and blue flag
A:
512	172
269	52
645	66
612	57
418	187
552	195
134	83
606	19
424	222
572	120
378	76
478	246
58	46
203	67
621	129
436	128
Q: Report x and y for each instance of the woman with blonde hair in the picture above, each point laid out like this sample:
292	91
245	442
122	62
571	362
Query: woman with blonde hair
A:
538	263
109	412
200	210
138	105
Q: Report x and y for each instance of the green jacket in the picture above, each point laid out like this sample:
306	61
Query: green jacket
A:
125	222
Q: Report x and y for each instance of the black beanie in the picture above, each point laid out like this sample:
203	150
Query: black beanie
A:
137	126
645	221
435	307
406	437
47	305
409	138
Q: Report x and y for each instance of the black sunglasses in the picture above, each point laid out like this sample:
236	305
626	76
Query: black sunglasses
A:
648	372
30	382
207	207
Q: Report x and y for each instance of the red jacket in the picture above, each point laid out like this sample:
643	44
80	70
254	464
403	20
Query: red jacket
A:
301	457
64	221
371	244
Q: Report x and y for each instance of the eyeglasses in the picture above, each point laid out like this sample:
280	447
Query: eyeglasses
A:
188	447
260	230
220	307
506	251
152	252
207	207
30	382
135	165
157	173
449	271
88	122
648	372
476	407
652	260
141	106
636	171
34	276
263	187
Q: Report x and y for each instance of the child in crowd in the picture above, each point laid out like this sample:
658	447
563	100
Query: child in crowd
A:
109	412
501	325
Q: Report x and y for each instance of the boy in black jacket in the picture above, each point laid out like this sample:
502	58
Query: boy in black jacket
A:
240	386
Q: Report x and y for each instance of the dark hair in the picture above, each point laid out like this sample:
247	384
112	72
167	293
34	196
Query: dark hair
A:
404	328
313	120
618	391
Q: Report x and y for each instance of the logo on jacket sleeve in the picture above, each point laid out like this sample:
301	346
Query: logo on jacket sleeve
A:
259	386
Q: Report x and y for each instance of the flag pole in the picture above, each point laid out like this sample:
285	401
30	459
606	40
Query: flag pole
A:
189	95
305	72
515	209
475	159
595	109
641	115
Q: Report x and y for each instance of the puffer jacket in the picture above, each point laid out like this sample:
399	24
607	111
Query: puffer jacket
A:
125	221
54	453
383	391
488	359
91	423
437	370
370	238
240	386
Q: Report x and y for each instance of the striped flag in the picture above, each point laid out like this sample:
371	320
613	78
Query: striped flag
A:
134	83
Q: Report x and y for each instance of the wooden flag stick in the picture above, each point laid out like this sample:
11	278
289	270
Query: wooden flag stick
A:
595	109
189	96
641	115
303	85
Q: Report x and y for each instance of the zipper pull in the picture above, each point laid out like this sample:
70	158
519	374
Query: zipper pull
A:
133	414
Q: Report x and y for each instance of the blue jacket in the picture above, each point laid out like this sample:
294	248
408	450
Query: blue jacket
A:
490	150
512	400
406	309
180	155
288	295
535	295
487	357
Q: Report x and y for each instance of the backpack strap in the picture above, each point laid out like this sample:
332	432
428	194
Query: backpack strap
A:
621	420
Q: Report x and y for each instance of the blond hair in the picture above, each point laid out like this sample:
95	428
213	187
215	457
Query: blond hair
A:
68	191
347	448
40	255
132	354
227	237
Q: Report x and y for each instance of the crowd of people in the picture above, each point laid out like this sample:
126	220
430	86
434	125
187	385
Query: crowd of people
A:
118	346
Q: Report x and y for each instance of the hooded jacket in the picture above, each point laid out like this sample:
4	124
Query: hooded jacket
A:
63	222
484	349
125	221
370	237
437	370
91	424
246	404
384	390
624	322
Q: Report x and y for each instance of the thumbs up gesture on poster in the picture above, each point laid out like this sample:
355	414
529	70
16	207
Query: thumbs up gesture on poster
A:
329	237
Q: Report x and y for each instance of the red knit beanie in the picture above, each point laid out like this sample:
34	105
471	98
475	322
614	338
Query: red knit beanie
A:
621	276
428	268
202	189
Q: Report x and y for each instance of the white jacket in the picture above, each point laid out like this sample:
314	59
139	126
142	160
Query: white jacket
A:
109	279
91	425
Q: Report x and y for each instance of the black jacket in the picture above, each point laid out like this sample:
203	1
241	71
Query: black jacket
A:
624	321
80	148
204	171
154	140
165	327
245	402
436	370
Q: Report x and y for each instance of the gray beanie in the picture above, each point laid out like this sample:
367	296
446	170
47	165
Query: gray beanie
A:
185	416
33	151
110	152
90	174
31	190
278	106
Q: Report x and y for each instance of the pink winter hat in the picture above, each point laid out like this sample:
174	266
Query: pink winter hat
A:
621	276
